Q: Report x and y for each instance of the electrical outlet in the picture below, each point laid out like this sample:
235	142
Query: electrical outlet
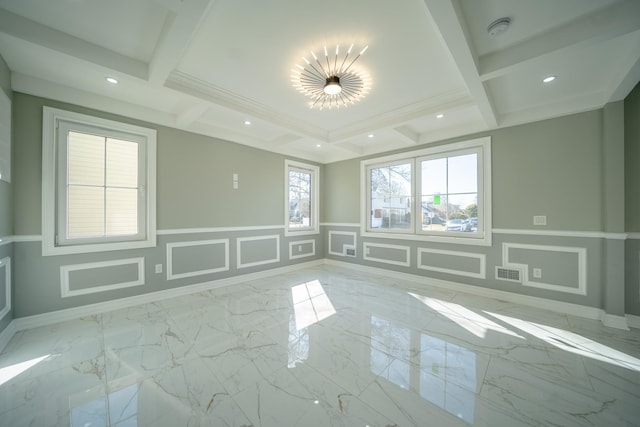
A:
540	220
299	248
158	268
537	273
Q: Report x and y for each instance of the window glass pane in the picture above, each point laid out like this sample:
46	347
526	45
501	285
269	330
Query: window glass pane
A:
391	200
463	174
122	211
434	176
85	157
122	163
299	199
85	211
434	212
450	193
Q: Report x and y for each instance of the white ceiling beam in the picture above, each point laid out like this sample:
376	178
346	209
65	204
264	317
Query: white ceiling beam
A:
177	32
284	139
604	24
625	79
447	17
407	135
191	114
30	31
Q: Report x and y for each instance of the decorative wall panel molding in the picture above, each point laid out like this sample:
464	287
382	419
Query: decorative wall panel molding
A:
5	272
349	243
375	252
66	271
478	261
217	265
580	267
245	245
297	248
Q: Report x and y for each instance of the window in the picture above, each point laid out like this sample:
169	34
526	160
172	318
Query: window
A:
441	194
98	184
301	198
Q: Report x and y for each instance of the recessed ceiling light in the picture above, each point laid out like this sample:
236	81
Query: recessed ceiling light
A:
439	116
318	145
247	122
548	79
112	80
370	135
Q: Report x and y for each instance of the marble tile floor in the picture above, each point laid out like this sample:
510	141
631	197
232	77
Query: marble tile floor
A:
323	346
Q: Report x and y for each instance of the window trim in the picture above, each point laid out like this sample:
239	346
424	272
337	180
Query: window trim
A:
314	228
484	191
50	148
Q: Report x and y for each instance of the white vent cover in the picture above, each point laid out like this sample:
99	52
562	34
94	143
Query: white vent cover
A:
509	274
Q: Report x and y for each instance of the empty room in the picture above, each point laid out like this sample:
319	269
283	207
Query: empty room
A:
342	213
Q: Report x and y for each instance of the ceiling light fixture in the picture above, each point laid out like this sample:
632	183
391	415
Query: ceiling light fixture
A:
332	81
439	116
247	122
499	26
112	80
371	135
548	79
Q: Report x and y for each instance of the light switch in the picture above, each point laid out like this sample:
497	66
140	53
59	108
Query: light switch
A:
158	268
235	181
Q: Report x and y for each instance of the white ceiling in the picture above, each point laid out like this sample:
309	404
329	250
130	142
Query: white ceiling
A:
206	66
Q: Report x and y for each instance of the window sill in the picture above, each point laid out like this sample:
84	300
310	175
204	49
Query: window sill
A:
301	232
48	249
470	241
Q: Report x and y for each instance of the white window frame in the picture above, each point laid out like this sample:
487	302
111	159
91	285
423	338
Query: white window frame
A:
482	237
313	227
53	186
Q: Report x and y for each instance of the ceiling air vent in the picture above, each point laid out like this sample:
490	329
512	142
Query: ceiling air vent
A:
509	274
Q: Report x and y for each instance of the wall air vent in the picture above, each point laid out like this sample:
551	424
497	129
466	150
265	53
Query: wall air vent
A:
509	274
350	251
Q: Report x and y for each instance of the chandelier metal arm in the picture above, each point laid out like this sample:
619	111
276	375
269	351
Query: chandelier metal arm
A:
334	81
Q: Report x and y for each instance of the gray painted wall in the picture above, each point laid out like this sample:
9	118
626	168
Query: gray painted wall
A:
632	160
552	167
569	169
194	181
6	202
632	200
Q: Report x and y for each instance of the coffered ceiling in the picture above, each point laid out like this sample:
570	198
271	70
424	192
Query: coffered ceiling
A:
209	66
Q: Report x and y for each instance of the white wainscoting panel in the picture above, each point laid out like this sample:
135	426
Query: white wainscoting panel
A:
240	241
343	252
171	247
5	267
481	258
366	246
526	281
65	271
293	254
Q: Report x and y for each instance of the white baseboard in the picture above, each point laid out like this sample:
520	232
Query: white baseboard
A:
613	321
542	303
6	335
23	323
633	321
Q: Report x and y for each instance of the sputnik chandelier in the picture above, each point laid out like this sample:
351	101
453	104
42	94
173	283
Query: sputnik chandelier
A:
332	81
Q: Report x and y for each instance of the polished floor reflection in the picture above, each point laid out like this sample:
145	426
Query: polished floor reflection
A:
323	346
